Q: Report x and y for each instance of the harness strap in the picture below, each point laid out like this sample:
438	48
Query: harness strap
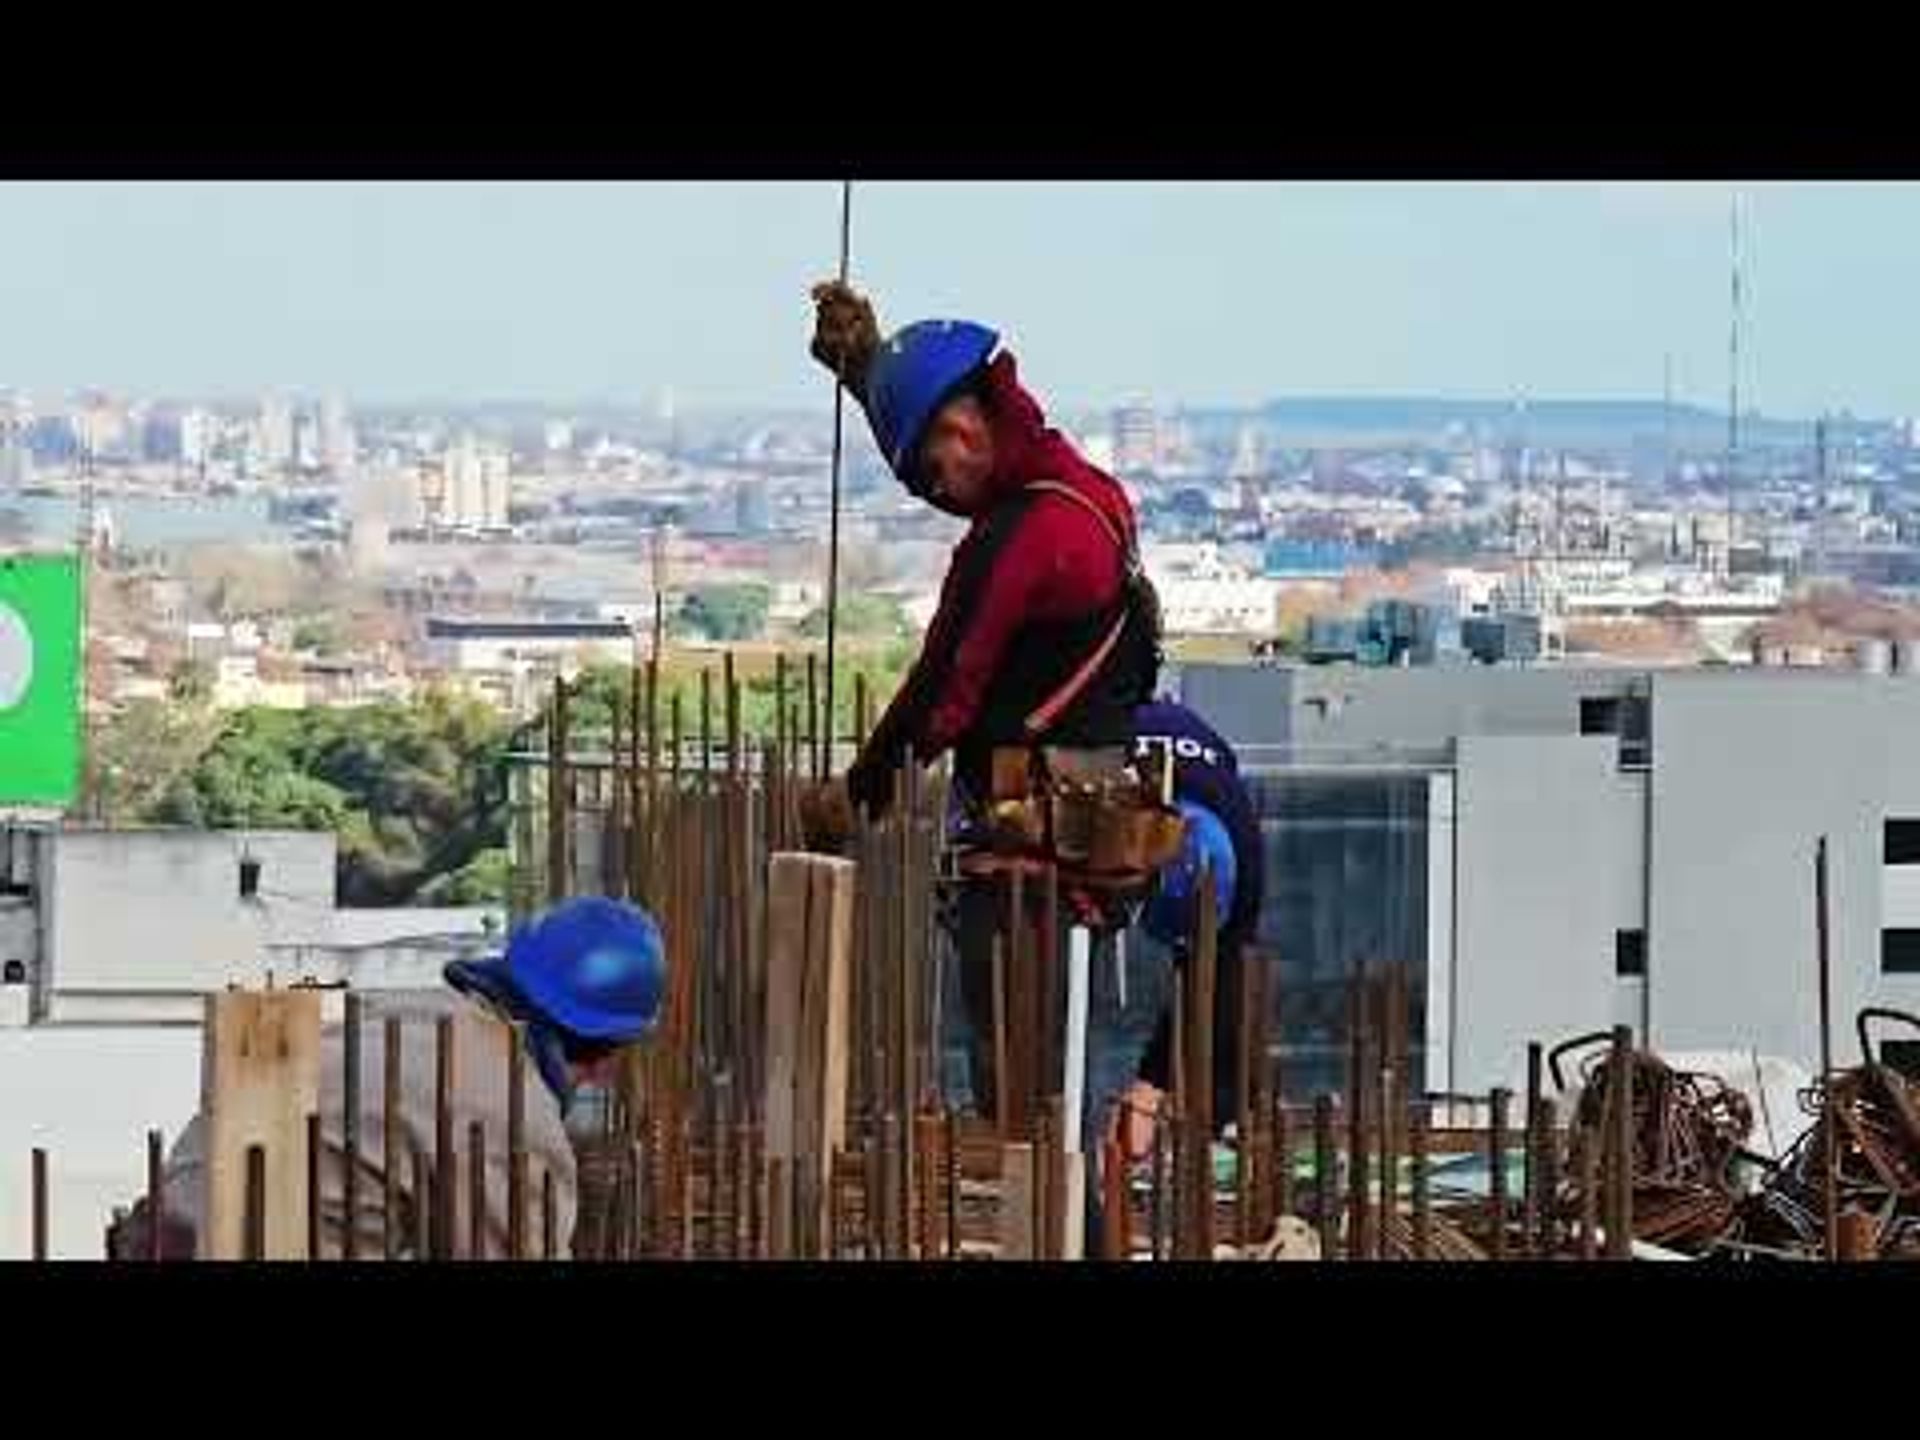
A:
1049	710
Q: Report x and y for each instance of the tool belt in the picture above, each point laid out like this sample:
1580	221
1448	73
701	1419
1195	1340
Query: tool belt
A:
1091	814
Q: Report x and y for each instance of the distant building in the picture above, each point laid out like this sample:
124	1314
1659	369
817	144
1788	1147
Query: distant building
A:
467	489
196	438
1552	851
239	685
272	447
337	445
1202	594
137	926
1136	440
505	645
752	507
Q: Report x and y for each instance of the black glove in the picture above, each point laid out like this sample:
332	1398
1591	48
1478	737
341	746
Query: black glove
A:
870	783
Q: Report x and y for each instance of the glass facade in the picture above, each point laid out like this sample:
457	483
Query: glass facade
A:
1346	886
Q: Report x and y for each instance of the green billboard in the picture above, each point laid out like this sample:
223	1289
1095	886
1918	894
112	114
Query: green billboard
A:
39	679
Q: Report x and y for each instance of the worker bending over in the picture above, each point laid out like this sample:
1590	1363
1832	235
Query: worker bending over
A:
1130	1046
577	985
1046	635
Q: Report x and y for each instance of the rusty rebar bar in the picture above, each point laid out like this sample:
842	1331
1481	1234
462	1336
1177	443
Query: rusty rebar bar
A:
425	1205
1589	1148
1157	1195
254	1219
951	1139
350	1130
443	1138
1324	1210
156	1197
516	1146
1530	1193
314	1147
1419	1124
549	1218
1620	1190
39	1193
1497	1170
1281	1161
476	1190
1359	1230
1389	1161
390	1060
1830	1158
1547	1156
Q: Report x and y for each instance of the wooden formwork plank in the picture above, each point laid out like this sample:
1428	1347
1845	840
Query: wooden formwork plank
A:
809	971
1016	1201
259	1080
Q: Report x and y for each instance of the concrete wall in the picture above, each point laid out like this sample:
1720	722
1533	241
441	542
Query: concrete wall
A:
157	909
1351	707
95	1092
1749	771
1547	869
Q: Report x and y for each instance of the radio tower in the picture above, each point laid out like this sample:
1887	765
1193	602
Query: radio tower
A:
1733	376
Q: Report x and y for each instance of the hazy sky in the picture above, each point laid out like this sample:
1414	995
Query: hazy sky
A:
1186	293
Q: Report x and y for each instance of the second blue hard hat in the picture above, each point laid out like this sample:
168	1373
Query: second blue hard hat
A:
593	967
1169	915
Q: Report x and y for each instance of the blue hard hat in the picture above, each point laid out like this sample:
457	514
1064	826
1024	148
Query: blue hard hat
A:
1168	917
912	374
593	967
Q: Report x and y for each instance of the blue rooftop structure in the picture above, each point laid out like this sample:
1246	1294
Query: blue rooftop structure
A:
1314	559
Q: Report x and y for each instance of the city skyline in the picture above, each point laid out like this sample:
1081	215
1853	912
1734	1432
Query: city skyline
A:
1190	294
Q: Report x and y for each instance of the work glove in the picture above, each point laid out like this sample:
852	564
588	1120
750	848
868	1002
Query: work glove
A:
826	817
870	783
845	333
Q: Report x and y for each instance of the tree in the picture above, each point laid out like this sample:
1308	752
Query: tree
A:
726	612
412	791
190	683
142	751
862	615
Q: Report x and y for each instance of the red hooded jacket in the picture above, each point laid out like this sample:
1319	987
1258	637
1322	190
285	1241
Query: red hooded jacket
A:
1026	561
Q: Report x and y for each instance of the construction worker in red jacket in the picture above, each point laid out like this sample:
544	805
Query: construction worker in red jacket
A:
1046	635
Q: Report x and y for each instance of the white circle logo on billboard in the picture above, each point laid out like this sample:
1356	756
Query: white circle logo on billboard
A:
16	657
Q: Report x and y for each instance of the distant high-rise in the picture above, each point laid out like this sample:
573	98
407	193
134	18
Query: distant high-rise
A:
273	435
1136	439
337	444
196	439
752	508
1248	463
469	488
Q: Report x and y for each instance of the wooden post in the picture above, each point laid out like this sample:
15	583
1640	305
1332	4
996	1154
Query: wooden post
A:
259	1080
1016	1201
809	972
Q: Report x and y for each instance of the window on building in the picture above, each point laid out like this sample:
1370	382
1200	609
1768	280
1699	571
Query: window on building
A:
14	973
1630	952
1600	715
249	878
1900	952
1901	845
1902	1055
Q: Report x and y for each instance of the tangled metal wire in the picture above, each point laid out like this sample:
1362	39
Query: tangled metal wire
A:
1876	1113
1687	1132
